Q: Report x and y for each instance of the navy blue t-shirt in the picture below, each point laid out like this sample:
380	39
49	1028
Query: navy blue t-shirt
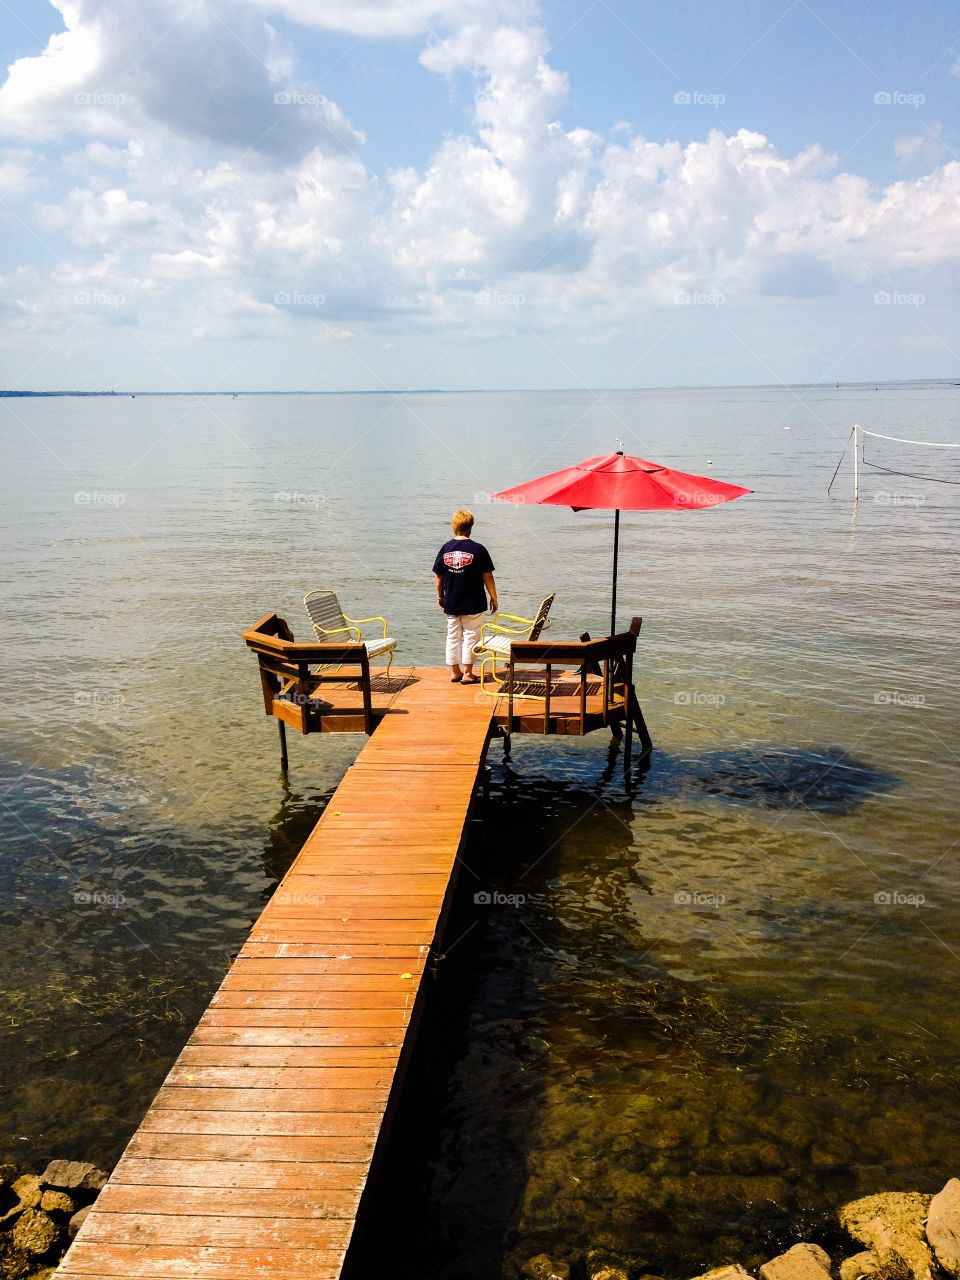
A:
461	563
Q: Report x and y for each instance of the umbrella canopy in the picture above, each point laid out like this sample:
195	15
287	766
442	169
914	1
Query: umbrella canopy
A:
618	482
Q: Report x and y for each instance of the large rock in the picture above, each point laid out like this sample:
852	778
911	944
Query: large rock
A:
542	1267
943	1226
34	1233
892	1225
73	1175
734	1272
860	1267
78	1219
57	1202
28	1192
802	1262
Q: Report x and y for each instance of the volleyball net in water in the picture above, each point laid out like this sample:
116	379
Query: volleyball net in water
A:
873	453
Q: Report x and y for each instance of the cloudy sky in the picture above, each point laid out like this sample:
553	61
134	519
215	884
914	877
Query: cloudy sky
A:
334	194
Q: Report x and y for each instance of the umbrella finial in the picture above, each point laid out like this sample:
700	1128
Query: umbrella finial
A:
619	446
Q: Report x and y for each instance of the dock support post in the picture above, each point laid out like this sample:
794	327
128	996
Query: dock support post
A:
283	745
636	715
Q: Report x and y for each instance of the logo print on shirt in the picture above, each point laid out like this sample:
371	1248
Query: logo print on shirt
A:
457	559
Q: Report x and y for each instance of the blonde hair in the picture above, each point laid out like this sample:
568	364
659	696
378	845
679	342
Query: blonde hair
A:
462	522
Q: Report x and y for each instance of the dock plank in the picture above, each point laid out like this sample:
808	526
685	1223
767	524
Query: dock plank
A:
254	1156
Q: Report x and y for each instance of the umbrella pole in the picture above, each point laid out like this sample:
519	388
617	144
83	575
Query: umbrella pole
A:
616	556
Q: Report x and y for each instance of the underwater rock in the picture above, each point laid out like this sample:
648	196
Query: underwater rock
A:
542	1267
943	1226
57	1202
604	1264
733	1272
860	1265
77	1221
73	1175
892	1225
802	1262
34	1233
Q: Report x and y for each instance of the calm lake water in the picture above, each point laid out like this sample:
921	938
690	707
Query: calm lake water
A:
727	1001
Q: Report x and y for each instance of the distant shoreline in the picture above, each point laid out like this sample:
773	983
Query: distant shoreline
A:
475	391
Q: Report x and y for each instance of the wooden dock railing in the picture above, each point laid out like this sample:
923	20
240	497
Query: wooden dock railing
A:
604	685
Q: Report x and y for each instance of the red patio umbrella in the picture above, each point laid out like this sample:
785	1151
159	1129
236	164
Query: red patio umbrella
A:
618	482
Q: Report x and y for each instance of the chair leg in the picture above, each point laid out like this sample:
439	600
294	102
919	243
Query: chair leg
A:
389	664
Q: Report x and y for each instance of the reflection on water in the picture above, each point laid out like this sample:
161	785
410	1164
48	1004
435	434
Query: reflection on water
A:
725	1001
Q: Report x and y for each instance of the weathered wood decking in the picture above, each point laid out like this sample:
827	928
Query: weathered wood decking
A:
252	1160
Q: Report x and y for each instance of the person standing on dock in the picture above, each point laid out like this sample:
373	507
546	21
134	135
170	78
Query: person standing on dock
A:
464	575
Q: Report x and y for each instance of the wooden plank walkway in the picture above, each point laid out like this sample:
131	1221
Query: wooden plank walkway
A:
252	1160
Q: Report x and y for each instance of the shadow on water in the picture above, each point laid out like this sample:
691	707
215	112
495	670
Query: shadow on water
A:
569	1091
825	779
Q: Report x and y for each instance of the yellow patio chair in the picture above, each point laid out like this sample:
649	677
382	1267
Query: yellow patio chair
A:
328	619
496	639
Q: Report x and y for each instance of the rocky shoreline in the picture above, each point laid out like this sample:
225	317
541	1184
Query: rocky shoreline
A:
901	1235
896	1235
40	1213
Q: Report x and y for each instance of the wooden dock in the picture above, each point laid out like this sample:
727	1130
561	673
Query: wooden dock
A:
253	1158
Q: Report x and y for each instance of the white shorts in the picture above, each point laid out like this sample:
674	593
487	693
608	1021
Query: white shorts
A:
463	636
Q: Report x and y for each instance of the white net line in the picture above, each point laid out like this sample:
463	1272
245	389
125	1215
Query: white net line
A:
900	456
926	444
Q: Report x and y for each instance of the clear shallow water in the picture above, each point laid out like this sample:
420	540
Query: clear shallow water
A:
701	1030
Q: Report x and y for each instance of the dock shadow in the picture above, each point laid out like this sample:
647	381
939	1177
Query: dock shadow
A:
449	1198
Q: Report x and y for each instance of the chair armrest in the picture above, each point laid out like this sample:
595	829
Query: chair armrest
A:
528	622
357	621
507	631
332	631
495	627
